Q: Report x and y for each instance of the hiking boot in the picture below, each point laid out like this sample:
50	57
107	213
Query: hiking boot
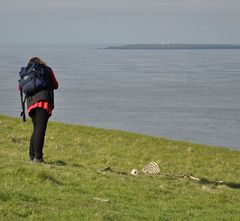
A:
31	158
38	160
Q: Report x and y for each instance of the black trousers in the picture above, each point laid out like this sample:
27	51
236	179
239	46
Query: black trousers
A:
39	119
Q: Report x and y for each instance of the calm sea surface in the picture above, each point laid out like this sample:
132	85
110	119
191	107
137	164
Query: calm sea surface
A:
181	94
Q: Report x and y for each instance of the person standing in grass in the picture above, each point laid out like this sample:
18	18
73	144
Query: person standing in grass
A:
40	107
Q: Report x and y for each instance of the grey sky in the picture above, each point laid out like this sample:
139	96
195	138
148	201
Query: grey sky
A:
120	21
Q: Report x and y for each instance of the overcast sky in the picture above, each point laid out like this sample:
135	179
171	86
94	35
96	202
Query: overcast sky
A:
120	21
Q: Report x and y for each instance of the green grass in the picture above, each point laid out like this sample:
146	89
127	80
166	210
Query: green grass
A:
73	185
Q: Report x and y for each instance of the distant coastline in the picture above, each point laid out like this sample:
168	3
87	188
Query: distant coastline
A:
176	46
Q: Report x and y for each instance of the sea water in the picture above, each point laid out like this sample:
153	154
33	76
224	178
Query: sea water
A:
189	95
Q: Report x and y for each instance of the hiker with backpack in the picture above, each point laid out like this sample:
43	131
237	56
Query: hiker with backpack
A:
37	81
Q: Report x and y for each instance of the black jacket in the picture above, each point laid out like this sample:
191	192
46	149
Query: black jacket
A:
44	95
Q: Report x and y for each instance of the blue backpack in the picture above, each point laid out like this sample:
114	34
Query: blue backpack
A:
33	79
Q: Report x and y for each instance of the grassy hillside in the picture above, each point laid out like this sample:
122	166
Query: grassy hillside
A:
87	177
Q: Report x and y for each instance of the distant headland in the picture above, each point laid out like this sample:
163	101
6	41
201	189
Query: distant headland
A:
176	46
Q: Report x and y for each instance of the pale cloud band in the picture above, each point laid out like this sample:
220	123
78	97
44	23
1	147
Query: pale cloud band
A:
124	21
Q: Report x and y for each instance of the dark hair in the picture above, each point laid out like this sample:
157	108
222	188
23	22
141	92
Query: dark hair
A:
37	60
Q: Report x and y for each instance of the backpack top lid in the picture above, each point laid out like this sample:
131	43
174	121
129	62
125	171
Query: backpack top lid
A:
31	67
